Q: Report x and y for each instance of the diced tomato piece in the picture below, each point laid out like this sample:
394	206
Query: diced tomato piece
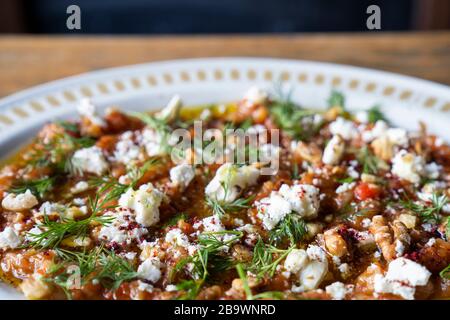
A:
366	191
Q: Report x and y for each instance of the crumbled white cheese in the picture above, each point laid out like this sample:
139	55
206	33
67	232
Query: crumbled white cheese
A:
79	187
273	209
431	242
212	224
338	290
345	128
145	287
230	180
121	230
312	274
351	171
177	237
402	277
87	109
301	199
49	208
362	116
182	175
171	288
334	150
345	187
127	151
399	248
296	260
395	136
171	110
408	166
150	270
90	160
433	170
365	223
344	268
152	142
312	271
255	95
145	202
19	202
9	238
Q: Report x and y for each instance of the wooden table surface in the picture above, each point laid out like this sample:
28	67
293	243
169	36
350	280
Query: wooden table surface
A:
31	60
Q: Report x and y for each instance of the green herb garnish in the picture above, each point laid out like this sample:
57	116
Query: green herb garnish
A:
80	268
219	208
374	114
53	232
336	99
291	228
263	262
428	213
37	187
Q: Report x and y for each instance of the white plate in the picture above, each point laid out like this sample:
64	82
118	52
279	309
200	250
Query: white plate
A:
405	100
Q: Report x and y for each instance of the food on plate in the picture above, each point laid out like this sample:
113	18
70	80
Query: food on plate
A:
114	206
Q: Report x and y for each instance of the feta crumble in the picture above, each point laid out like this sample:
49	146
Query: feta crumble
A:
230	180
345	128
145	202
90	160
338	290
402	277
334	150
19	202
301	199
86	109
171	110
9	238
408	166
182	175
150	270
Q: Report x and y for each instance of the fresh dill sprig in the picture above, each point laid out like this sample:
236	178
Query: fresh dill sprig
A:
445	274
263	262
295	175
242	275
447	228
159	125
58	151
37	187
336	99
54	232
113	189
374	114
208	260
288	115
428	213
371	164
174	220
291	228
114	270
346	180
99	264
219	208
68	126
272	295
190	287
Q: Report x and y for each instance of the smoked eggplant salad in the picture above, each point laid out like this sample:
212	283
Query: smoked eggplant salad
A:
334	205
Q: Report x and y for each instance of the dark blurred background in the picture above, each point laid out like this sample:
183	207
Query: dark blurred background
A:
219	16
